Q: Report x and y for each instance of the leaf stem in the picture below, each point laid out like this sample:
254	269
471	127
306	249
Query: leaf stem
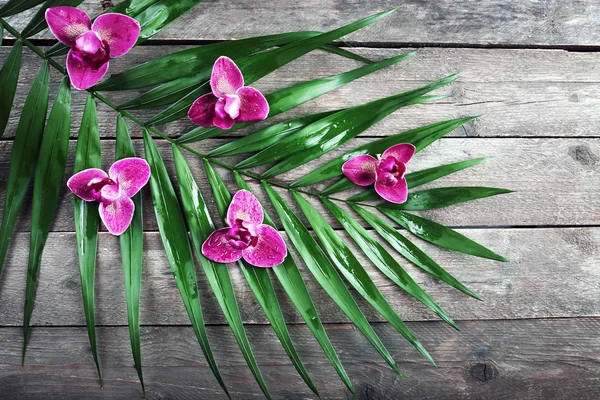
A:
162	135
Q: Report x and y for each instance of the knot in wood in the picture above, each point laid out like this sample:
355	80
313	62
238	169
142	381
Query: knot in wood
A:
483	372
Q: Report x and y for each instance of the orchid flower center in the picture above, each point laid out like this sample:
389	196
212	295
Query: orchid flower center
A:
104	190
242	235
389	171
228	106
90	48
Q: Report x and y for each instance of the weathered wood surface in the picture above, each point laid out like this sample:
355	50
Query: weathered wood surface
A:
536	334
510	89
552	273
492	360
456	23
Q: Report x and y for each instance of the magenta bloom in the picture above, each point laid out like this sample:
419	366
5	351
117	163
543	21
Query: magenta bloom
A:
113	191
247	237
92	46
230	101
387	172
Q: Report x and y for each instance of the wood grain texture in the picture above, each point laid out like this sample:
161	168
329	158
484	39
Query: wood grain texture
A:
518	93
552	273
498	360
556	181
462	22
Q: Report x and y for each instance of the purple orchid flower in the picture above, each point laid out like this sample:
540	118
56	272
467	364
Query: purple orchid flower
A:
113	190
92	46
387	172
246	237
230	101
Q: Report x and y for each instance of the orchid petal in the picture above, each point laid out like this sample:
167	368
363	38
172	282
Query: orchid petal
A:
397	193
232	105
226	77
270	249
83	74
402	152
120	32
109	194
361	169
131	174
253	105
88	43
67	23
202	112
222	121
244	207
217	247
81	182
117	215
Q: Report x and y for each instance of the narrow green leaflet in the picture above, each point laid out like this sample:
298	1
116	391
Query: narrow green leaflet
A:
439	234
263	64
260	283
156	17
444	197
193	61
26	147
418	178
343	257
9	77
38	22
420	137
384	260
264	138
340	51
13	7
132	252
88	155
136	6
410	251
220	280
48	182
293	284
174	235
288	98
334	130
325	273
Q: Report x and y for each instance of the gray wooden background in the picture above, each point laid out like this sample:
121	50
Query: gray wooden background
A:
530	68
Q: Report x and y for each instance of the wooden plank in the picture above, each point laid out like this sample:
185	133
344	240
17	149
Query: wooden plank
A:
498	360
462	22
524	93
547	175
553	273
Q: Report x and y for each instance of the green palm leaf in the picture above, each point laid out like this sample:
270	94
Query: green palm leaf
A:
220	280
9	77
343	257
38	22
13	7
439	234
50	171
420	137
384	261
334	130
132	251
264	138
193	61
88	155
160	14
410	251
288	98
289	276
444	197
174	235
325	273
260	283
255	68
26	147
